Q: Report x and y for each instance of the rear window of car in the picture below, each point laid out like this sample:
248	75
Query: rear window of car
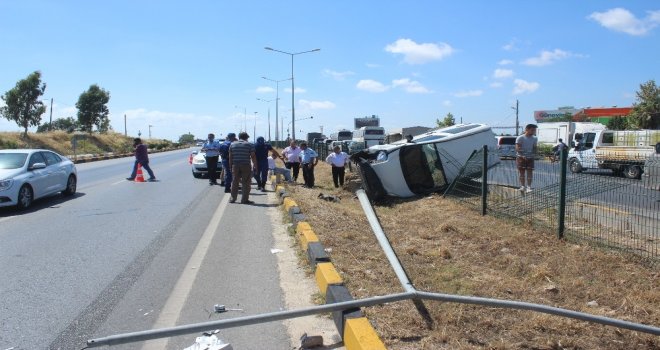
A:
12	160
507	140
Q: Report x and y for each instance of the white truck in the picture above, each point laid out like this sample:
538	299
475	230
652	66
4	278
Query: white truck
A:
624	152
550	133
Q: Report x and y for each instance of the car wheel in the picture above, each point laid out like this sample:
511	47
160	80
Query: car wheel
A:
71	184
25	197
632	172
575	166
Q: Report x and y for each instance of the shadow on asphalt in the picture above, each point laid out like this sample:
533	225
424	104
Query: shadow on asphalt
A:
51	202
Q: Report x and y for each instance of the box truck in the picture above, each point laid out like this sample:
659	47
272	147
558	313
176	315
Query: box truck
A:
550	133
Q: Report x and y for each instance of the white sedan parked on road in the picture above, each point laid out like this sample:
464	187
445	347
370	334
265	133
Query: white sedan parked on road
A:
28	174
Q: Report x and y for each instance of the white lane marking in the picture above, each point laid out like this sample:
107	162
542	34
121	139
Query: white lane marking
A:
175	302
118	182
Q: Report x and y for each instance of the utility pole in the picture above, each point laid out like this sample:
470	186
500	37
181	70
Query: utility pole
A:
517	123
125	131
50	126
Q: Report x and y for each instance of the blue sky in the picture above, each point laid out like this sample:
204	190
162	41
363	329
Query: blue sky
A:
196	66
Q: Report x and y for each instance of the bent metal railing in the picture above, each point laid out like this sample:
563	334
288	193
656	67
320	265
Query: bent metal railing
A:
410	294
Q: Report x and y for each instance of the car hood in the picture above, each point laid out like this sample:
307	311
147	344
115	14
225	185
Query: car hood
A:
9	173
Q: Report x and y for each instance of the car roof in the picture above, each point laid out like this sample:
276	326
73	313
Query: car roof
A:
24	150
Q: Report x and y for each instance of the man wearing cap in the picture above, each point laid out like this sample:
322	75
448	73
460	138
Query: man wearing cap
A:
212	152
241	156
224	152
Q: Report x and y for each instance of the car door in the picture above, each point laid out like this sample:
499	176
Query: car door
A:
38	178
56	170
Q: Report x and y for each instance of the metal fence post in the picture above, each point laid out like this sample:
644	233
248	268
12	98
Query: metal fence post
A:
561	213
484	183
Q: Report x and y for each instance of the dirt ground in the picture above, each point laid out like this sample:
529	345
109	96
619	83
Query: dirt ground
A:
448	247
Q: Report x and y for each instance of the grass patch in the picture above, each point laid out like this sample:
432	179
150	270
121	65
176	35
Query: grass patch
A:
447	248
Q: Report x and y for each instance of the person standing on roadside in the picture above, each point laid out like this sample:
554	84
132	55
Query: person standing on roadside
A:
338	160
141	158
241	156
261	149
226	167
277	170
309	159
292	155
525	151
212	149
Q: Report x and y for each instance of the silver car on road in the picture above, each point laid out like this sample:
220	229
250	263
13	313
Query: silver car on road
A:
28	174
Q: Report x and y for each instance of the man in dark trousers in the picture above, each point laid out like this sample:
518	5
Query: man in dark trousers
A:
212	152
224	152
241	157
142	158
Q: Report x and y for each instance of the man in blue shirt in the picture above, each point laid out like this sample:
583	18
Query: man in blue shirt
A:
261	149
309	159
212	149
224	152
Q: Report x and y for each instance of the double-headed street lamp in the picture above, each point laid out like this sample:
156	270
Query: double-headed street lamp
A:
244	117
277	108
293	108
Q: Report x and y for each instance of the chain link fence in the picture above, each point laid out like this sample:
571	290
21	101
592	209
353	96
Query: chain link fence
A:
598	206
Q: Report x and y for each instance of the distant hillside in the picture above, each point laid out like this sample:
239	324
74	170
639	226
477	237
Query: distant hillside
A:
60	142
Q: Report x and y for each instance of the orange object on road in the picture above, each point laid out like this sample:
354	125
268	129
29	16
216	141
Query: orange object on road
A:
139	176
190	159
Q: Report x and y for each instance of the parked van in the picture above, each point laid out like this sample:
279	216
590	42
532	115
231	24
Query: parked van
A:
506	146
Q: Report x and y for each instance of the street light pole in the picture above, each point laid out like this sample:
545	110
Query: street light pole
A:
293	107
244	117
254	131
268	101
150	131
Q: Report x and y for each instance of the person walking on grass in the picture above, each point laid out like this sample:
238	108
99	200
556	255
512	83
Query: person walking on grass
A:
526	146
292	155
241	156
226	167
141	158
309	159
212	152
338	160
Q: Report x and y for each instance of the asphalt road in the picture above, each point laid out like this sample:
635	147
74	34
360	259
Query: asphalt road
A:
123	257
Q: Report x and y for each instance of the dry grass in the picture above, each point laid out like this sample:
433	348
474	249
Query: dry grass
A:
60	141
448	248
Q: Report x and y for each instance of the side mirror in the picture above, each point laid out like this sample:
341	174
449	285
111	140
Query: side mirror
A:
36	166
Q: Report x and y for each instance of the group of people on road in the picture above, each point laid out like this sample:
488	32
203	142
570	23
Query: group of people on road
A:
241	160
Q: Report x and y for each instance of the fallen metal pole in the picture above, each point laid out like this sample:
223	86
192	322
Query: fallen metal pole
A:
243	321
384	242
512	304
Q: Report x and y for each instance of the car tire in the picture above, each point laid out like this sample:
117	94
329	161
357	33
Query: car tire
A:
71	185
25	197
575	166
632	172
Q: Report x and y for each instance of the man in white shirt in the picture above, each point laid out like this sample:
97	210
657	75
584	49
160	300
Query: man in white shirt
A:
277	170
292	155
338	160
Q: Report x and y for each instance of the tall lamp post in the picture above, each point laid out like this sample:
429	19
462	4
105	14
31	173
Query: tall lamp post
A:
277	108
254	131
150	126
269	101
293	108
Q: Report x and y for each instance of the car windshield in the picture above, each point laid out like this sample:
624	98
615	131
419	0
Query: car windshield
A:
12	160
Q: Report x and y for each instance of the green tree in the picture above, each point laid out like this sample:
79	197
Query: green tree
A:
448	121
69	124
92	109
646	111
187	138
617	123
22	103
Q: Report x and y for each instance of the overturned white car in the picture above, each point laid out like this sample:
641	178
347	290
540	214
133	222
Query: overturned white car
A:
427	164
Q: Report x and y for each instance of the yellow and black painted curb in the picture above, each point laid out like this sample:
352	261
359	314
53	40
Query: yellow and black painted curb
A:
354	328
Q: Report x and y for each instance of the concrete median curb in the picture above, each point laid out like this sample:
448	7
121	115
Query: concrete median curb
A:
354	328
